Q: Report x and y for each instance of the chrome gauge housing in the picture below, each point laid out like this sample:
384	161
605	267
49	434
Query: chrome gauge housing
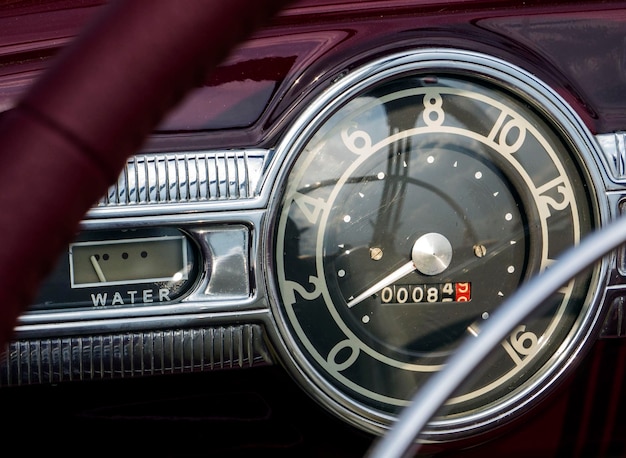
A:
416	194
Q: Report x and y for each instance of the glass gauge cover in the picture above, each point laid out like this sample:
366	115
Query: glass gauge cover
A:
417	199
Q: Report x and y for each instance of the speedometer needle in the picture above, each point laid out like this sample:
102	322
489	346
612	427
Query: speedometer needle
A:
388	280
431	255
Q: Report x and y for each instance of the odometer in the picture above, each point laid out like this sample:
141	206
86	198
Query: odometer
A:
415	294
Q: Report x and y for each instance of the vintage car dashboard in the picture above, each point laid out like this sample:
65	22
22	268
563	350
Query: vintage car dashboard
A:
352	193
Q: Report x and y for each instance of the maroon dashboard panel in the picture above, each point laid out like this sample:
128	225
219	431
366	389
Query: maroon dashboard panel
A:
250	99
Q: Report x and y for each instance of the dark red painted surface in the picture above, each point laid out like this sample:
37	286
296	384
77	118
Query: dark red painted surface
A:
260	412
578	48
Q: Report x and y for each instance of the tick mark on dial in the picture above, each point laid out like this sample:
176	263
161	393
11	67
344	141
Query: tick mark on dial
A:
473	330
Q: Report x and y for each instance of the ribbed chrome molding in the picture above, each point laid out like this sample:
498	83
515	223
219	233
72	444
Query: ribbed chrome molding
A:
181	178
128	355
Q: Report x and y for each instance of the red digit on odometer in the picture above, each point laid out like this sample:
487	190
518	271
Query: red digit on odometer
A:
463	292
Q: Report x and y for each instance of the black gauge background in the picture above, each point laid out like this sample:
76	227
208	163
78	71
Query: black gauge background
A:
56	292
578	177
465	219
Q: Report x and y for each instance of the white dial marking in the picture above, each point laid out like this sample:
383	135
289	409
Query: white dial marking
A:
473	330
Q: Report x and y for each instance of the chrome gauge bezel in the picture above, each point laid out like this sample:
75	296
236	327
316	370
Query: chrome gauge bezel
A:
542	99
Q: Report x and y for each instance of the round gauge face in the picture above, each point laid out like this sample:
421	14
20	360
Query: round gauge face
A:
415	204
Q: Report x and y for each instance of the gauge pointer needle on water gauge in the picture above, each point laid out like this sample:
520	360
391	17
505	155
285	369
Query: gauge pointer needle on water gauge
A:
97	268
431	255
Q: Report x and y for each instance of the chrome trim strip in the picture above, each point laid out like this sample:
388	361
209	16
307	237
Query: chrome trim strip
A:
613	147
613	156
615	323
226	270
127	355
177	182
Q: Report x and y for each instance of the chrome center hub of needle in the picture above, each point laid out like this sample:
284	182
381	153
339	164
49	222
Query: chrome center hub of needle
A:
431	253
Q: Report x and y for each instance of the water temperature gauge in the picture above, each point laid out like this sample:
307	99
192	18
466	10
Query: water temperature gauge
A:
127	267
118	262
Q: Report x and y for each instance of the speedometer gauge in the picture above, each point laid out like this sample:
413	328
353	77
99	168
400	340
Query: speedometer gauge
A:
418	194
